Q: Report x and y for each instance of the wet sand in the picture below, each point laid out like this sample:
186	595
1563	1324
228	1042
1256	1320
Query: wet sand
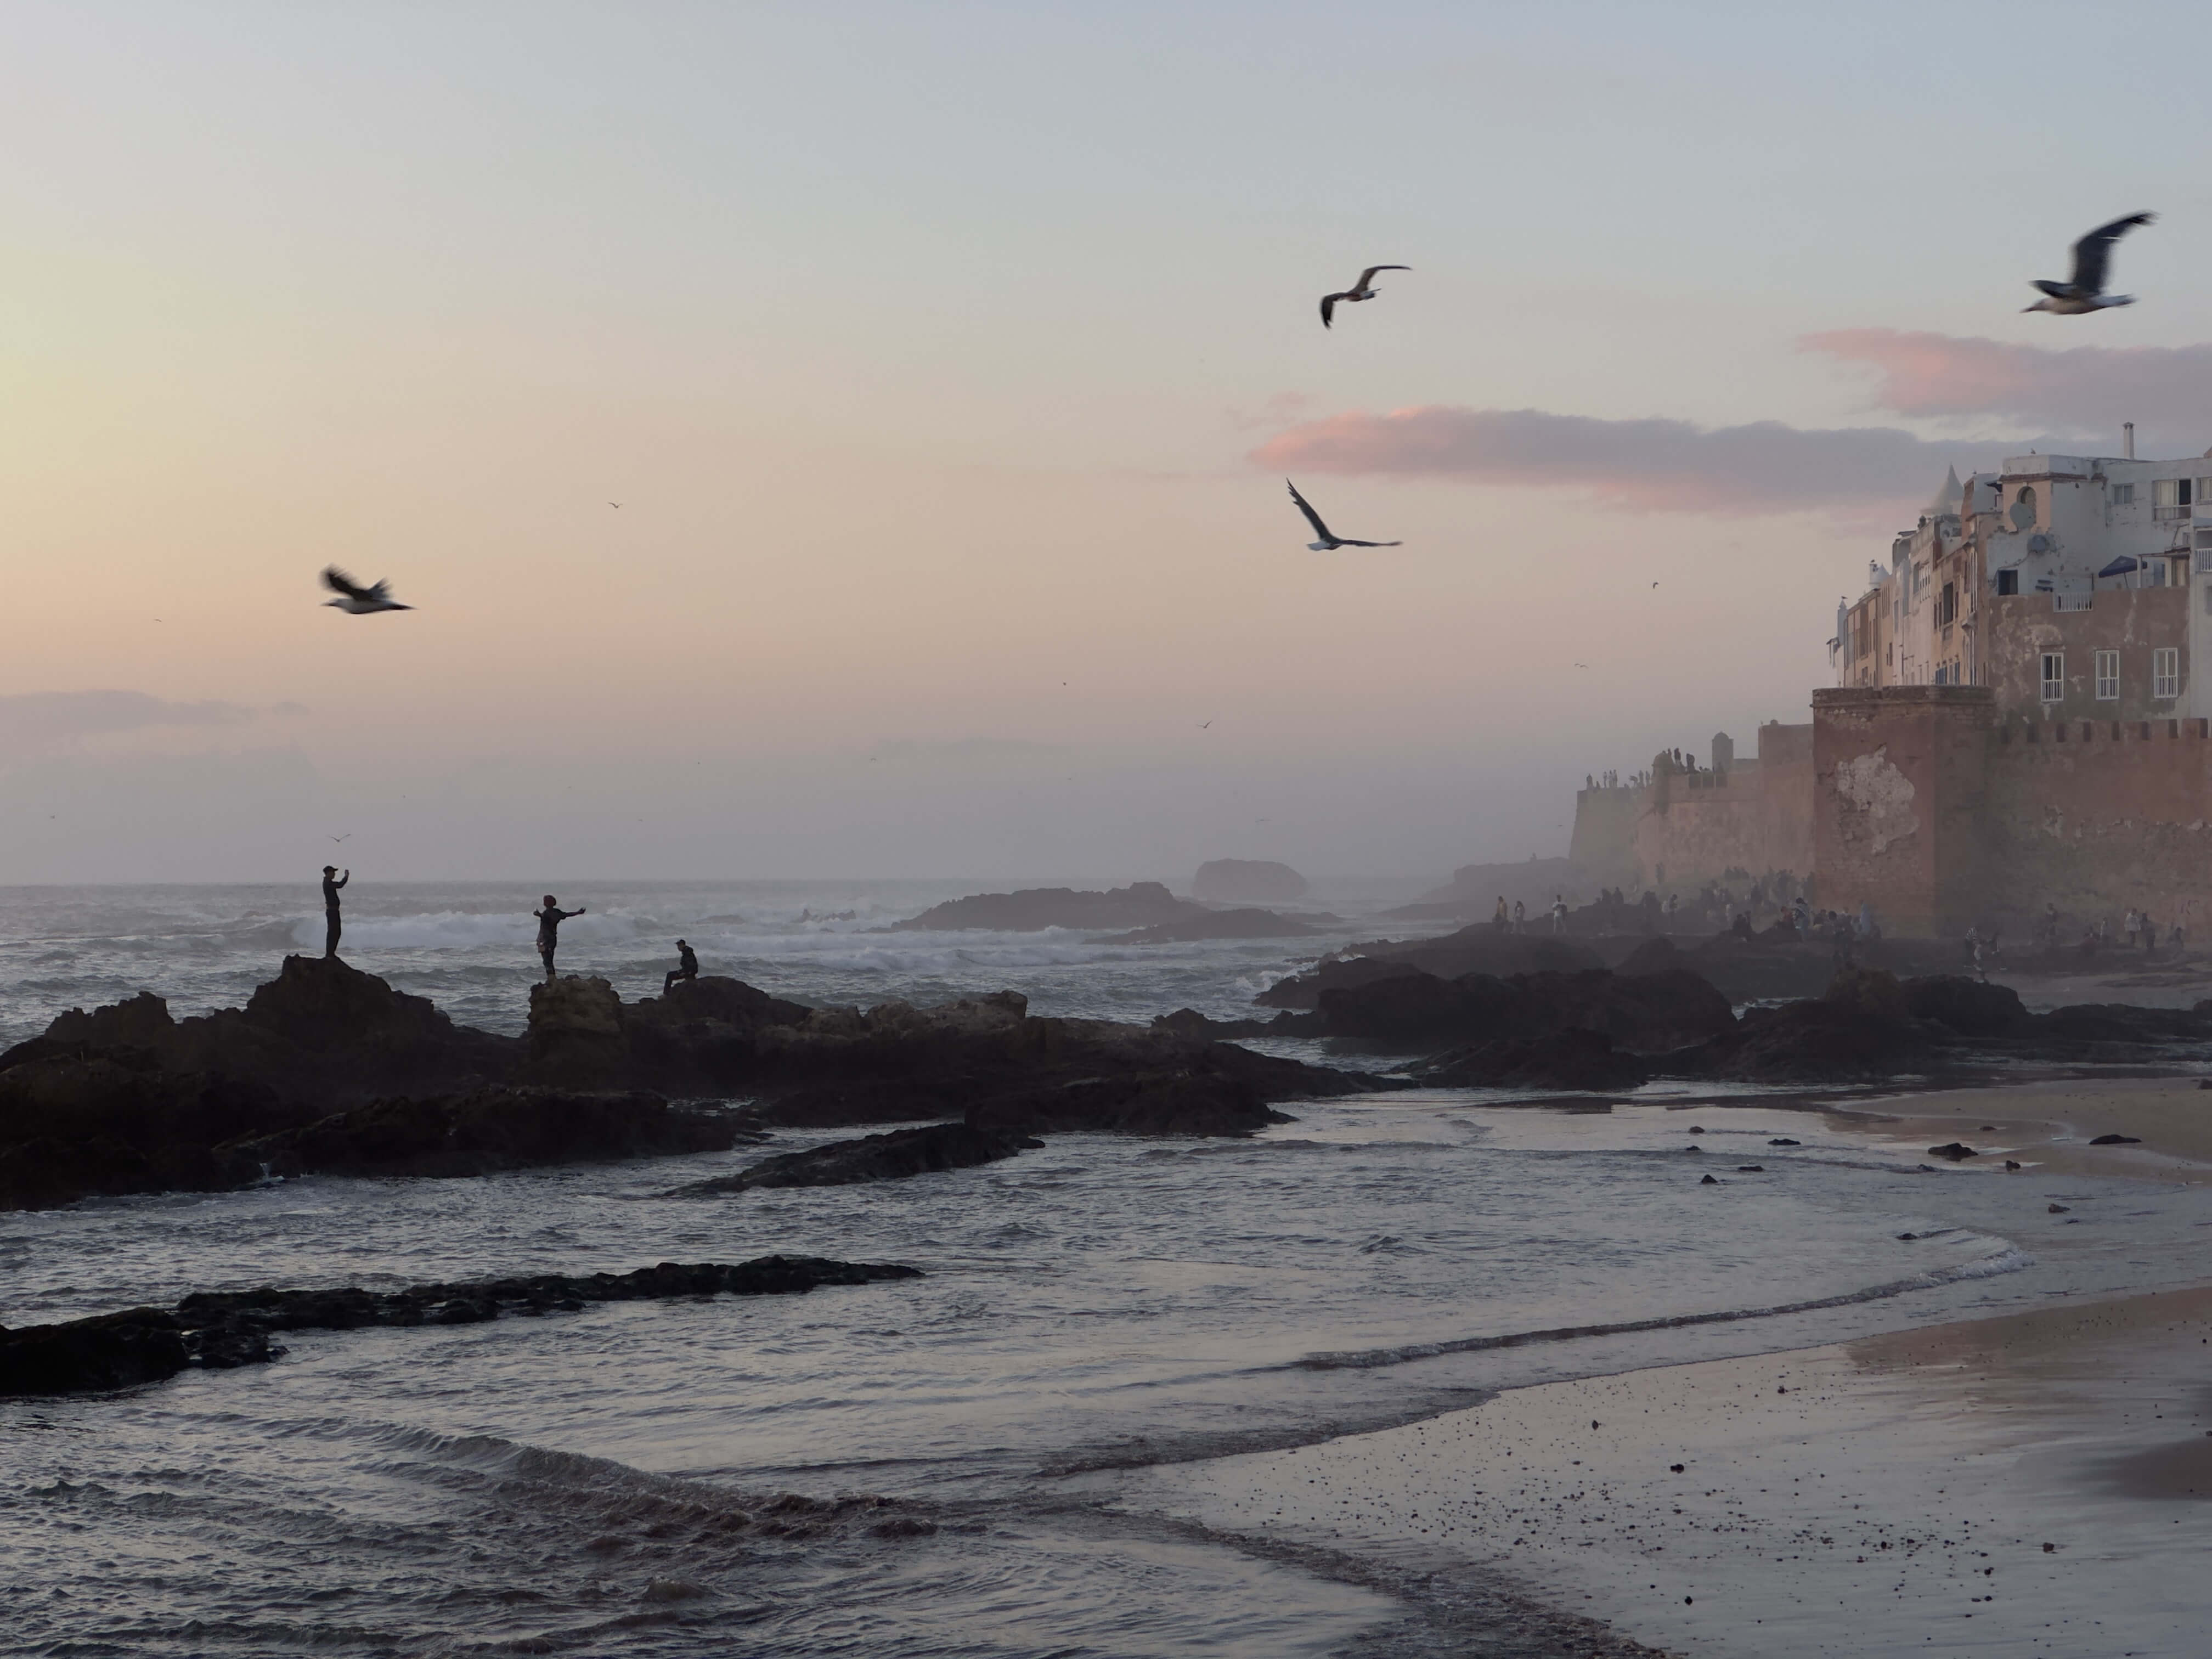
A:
2030	1484
2048	1127
2037	1483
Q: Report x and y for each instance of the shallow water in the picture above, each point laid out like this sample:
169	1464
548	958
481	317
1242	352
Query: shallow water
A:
567	1483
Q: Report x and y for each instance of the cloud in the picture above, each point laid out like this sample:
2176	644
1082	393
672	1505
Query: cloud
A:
1648	465
33	719
2073	389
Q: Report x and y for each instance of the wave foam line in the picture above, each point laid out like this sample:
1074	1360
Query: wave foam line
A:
2011	1258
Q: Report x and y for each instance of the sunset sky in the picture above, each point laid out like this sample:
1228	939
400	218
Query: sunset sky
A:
946	360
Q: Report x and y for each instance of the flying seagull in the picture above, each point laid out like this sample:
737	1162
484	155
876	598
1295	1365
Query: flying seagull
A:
1359	290
356	600
2085	292
1328	543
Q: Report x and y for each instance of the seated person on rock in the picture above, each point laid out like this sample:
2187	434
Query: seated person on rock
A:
687	968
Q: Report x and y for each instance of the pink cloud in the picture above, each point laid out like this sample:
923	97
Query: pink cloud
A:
1648	465
2086	388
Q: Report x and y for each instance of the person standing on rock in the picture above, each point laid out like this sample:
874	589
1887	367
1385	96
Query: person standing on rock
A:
548	930
331	907
686	969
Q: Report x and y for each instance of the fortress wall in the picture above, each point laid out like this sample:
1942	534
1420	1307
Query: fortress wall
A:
1899	803
1604	844
2097	815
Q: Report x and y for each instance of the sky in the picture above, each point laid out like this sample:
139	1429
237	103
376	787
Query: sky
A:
946	361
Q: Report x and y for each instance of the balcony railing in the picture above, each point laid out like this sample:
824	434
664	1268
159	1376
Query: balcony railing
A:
2071	601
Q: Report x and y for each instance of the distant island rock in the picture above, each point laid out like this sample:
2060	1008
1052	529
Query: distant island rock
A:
1032	909
1247	881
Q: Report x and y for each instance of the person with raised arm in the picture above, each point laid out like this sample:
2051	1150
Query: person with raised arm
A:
548	930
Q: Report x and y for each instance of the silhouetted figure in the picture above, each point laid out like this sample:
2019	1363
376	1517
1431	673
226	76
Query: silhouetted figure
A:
548	930
687	968
331	907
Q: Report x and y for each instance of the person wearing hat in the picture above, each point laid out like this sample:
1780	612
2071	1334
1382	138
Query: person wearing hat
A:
331	907
687	968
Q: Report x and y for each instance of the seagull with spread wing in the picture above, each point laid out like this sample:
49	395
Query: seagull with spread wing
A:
356	600
1329	542
2092	254
1362	290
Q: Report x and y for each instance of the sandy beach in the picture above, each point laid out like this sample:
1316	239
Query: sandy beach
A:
2023	1484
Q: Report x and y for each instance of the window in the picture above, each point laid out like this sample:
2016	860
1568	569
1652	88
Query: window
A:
2204	493
1947	605
2108	676
2008	581
2054	674
2170	498
2123	495
2166	672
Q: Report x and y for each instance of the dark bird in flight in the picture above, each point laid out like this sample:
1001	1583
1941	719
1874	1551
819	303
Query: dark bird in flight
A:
2092	254
614	503
356	600
1202	725
1359	290
347	836
1328	543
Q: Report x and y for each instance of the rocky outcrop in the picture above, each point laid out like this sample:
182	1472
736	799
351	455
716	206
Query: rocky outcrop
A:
1647	1012
1247	881
926	1150
1859	1029
1479	950
321	1026
126	1100
1220	924
988	1061
485	1131
231	1328
1575	1059
1141	904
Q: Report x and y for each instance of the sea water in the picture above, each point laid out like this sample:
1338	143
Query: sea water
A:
573	1484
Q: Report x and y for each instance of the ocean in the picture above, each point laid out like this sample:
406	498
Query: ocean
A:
574	1484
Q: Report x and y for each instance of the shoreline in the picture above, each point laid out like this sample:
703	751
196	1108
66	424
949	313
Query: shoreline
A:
2005	1484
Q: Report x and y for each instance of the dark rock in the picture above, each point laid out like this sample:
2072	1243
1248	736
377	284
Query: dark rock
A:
1141	904
1575	1059
1647	1012
491	1129
891	1157
1247	881
1751	1169
109	1351
1858	1031
1480	949
2059	1209
2013	1164
1783	1140
2117	1140
1218	924
1967	1006
231	1328
1708	1181
1955	1151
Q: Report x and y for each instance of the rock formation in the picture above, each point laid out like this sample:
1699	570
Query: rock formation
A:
925	1151
231	1328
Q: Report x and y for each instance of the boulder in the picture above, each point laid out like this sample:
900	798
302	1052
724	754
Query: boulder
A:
1968	1006
1247	881
1478	949
1141	904
936	1147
